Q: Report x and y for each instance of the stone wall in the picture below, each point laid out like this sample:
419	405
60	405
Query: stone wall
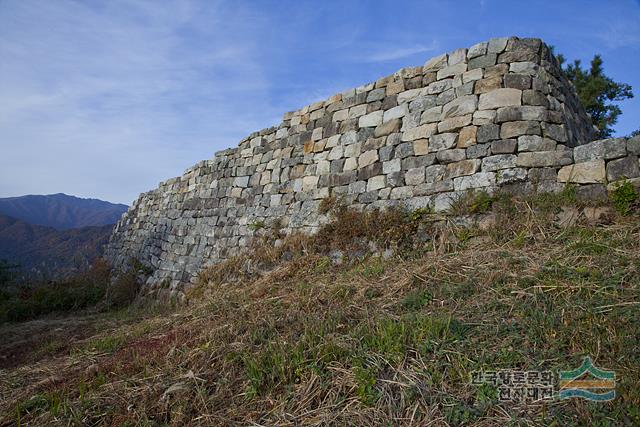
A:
499	114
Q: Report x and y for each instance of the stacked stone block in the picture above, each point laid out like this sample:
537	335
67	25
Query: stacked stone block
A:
499	114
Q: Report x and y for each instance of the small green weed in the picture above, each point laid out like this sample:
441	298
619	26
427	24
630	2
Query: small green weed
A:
624	198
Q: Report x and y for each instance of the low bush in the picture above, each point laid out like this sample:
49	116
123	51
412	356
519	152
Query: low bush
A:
26	301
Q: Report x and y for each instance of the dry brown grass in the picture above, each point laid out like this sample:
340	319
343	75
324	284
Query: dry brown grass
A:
282	336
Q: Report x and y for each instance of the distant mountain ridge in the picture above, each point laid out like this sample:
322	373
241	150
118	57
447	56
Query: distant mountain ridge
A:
61	211
44	252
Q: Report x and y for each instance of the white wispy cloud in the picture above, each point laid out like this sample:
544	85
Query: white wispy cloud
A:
391	53
107	99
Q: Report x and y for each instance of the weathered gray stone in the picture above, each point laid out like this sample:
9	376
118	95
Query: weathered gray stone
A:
450	156
446	96
497	45
376	95
527	68
387	128
454	123
517	81
402	192
413	162
457	56
390	166
404	150
472	75
411	120
410	95
607	149
484	117
376	182
433	187
500	161
515	129
435	173
633	145
527	112
542	174
509	176
478	180
422	103
627	167
452	70
482	61
500	98
436	63
371	119
555	132
477	50
488	133
414	176
396	112
535	143
534	97
442	141
488	84
504	146
479	150
439	87
460	106
537	159
431	115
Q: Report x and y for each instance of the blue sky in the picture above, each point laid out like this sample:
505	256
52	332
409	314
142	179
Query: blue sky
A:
107	98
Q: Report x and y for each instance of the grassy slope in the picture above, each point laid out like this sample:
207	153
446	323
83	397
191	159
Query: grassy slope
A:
376	341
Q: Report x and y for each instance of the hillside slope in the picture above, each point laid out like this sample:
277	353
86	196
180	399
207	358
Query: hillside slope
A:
44	252
380	319
61	211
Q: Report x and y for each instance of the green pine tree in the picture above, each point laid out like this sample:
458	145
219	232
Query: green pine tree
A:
597	92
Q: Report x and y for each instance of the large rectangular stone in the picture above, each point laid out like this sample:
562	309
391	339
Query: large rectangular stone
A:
504	146
539	159
419	132
450	156
516	113
603	149
410	95
451	70
442	141
433	187
583	173
460	106
371	119
387	128
535	143
500	98
414	176
454	123
515	129
396	112
500	161
478	180
462	168
627	167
